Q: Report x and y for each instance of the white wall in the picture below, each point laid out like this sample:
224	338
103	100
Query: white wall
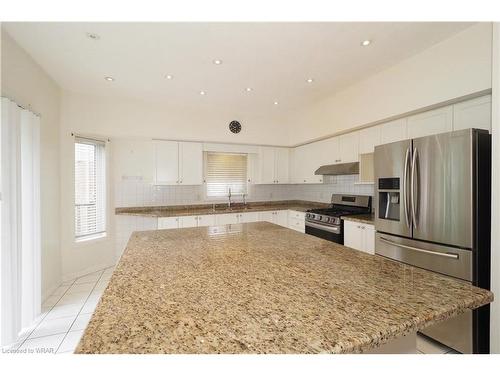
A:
128	117
27	84
457	66
495	189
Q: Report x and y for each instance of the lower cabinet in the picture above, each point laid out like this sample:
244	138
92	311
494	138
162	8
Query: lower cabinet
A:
275	217
297	221
244	217
186	221
359	236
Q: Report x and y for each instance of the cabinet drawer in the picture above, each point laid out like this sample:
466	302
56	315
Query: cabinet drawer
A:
297	215
297	224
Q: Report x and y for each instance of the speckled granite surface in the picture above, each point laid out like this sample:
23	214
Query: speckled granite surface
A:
262	288
190	210
366	219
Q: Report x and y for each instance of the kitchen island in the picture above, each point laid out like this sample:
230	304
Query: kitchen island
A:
262	288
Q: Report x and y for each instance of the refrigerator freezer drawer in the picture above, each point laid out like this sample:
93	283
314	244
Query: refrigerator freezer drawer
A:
438	258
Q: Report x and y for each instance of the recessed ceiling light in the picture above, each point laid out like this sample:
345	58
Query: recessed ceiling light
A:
365	43
93	36
217	62
310	80
276	103
168	76
110	79
248	89
202	92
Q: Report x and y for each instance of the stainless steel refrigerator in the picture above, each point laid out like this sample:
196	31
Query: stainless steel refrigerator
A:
432	210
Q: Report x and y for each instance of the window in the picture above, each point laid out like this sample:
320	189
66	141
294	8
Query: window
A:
225	171
90	189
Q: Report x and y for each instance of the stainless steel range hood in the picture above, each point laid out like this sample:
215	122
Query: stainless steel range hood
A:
338	169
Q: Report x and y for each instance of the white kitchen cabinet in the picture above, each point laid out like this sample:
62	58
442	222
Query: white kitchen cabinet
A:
168	223
296	221
178	163
474	113
133	160
304	162
225	219
368	139
196	221
248	217
348	148
166	162
190	163
273	165
431	122
242	217
359	236
275	217
393	131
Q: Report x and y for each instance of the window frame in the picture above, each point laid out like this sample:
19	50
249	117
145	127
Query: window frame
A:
102	234
208	198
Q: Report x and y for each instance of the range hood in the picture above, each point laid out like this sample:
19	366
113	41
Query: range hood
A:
338	169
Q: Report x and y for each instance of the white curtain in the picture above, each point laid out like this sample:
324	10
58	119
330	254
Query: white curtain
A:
20	284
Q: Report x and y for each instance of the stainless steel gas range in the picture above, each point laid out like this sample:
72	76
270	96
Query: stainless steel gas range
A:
326	223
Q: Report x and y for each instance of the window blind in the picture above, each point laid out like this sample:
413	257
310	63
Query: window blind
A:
225	171
90	188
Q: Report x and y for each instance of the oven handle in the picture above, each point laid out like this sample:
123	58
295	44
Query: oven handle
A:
335	230
446	255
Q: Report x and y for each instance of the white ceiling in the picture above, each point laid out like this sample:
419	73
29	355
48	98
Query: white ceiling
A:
274	59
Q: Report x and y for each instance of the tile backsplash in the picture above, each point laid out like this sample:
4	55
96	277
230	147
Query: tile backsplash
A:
130	193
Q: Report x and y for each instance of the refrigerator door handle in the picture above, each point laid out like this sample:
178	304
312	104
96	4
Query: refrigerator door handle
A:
413	183
446	255
405	188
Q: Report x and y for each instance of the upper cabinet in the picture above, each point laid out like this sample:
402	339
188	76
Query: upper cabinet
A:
474	113
304	162
431	122
393	131
133	160
348	150
368	139
273	165
178	163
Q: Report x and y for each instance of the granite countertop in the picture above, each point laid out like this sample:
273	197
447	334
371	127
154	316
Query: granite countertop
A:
262	288
207	209
362	218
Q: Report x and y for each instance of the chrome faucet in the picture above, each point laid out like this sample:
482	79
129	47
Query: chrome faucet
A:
229	199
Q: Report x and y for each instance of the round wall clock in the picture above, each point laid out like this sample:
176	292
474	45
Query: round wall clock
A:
234	126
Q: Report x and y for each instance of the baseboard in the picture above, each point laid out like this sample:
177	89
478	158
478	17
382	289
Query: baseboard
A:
86	271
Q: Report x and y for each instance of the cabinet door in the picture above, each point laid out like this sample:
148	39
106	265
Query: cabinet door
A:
166	162
189	221
266	166
368	238
281	218
353	235
393	131
168	222
431	122
282	164
225	219
190	163
206	220
474	113
349	147
266	216
368	139
133	159
249	217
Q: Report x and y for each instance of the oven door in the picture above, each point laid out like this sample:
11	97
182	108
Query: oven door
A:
330	233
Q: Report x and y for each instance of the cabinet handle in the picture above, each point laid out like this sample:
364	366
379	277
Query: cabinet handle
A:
176	219
304	180
177	181
363	227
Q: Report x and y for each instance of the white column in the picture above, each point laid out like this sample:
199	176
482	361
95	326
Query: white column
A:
495	192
